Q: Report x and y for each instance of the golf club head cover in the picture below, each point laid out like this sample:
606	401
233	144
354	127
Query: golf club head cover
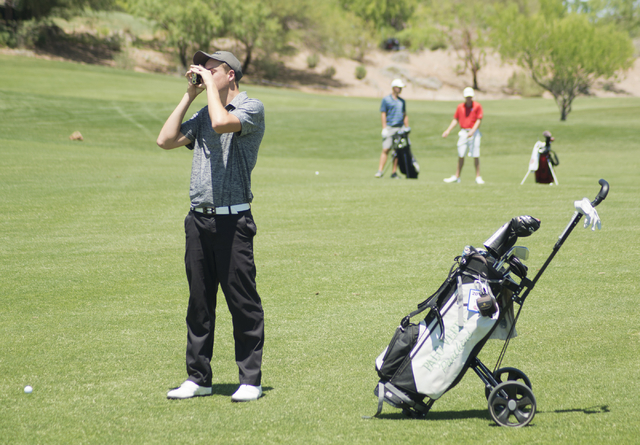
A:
517	267
507	235
525	225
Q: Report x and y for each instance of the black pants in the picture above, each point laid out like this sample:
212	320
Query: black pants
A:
219	251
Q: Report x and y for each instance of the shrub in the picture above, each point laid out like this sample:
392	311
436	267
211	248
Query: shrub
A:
124	60
312	61
270	69
439	44
7	37
361	72
329	72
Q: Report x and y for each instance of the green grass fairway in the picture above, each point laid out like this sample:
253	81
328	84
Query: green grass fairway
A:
93	292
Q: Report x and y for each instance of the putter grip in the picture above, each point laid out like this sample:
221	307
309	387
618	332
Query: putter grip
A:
604	190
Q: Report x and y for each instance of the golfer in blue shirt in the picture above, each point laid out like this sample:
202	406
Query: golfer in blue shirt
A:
393	111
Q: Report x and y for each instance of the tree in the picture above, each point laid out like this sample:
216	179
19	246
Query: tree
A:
188	26
382	13
27	22
462	24
262	28
562	51
625	14
268	27
422	30
194	24
252	23
468	34
39	9
326	27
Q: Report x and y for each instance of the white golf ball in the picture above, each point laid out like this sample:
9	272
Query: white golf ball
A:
317	173
28	389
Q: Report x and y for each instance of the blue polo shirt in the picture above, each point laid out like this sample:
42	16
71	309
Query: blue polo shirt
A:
395	109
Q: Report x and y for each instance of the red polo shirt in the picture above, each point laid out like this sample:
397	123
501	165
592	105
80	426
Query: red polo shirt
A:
467	117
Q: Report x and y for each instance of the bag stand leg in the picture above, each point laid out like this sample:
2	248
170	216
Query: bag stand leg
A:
390	160
553	173
395	397
525	176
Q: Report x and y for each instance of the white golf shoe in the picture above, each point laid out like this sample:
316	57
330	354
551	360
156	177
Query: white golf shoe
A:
479	180
247	393
454	178
189	389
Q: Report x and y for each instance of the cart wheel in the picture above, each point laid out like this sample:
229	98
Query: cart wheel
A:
508	374
512	404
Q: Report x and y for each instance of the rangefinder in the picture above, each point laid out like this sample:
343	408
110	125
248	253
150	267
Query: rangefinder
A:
196	79
487	305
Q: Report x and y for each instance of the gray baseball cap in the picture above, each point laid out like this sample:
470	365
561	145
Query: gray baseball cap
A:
200	58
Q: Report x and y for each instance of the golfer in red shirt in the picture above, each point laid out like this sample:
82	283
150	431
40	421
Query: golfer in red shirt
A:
469	116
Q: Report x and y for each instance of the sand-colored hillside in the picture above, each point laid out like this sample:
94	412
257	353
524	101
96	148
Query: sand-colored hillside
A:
429	75
433	75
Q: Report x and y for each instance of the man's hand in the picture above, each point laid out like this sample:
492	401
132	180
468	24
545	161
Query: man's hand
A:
205	75
590	215
446	133
385	133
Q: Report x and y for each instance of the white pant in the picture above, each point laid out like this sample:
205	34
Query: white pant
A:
470	146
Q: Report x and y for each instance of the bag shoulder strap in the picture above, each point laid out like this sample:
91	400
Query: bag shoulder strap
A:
458	268
432	301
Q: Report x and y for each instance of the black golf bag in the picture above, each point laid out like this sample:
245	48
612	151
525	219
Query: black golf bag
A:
402	150
424	360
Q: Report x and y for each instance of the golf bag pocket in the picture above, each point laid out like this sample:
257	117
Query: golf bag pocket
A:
403	341
506	325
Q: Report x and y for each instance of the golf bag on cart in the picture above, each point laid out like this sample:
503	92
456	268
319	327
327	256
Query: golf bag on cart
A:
475	303
402	150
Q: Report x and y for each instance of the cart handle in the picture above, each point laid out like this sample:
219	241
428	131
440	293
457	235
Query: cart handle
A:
604	190
602	194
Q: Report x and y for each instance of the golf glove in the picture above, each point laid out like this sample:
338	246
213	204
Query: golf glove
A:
590	215
385	133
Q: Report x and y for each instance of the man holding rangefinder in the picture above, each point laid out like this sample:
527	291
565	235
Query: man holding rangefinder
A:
225	137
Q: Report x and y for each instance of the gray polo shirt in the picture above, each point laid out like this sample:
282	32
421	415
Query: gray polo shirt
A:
222	163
